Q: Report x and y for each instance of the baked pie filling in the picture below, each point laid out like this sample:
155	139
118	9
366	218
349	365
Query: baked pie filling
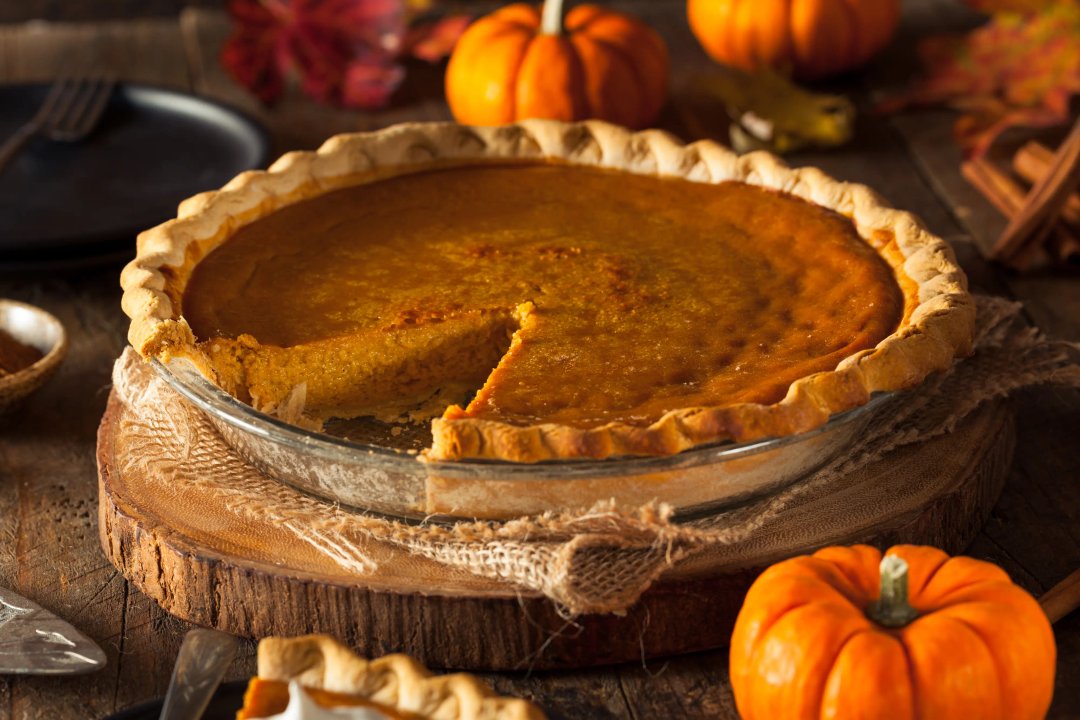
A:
279	700
537	293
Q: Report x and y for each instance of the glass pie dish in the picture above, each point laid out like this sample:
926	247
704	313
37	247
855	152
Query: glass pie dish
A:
378	468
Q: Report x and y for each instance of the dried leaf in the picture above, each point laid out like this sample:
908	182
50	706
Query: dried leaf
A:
769	111
343	51
369	83
1016	70
434	40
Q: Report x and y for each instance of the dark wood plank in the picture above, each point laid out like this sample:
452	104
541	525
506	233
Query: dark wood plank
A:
94	10
1043	494
145	51
1067	685
594	694
695	686
48	503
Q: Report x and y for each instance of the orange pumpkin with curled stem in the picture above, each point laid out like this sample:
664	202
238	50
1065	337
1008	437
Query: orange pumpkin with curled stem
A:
811	39
914	636
521	62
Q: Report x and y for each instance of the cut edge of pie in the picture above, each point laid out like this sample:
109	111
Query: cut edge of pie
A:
937	327
393	682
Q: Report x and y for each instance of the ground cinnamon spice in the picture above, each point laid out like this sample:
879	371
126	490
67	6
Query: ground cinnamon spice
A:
15	355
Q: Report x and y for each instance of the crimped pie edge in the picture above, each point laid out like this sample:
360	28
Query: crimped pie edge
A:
396	681
939	329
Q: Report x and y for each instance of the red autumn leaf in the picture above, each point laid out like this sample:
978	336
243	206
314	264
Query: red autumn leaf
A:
1016	70
369	82
434	40
343	51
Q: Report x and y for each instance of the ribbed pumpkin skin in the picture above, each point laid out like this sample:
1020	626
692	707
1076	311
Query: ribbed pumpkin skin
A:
804	649
604	65
812	38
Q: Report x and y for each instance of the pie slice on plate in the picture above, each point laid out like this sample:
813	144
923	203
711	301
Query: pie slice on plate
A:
315	677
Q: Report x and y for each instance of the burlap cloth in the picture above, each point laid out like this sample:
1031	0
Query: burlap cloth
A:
600	560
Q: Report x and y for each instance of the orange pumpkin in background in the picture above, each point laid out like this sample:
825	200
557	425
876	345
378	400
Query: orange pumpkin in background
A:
811	39
520	63
916	636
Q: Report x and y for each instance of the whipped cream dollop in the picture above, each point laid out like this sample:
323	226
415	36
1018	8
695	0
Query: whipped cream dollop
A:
302	707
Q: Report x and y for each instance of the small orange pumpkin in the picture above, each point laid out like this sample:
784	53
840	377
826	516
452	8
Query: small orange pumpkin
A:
516	64
846	634
811	39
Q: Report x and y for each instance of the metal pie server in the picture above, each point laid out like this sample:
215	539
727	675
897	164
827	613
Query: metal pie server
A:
33	641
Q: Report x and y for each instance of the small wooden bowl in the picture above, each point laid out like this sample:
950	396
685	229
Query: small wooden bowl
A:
39	329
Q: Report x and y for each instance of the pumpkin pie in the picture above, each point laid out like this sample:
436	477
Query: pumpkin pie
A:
548	290
298	676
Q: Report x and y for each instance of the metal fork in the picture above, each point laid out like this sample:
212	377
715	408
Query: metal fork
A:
70	111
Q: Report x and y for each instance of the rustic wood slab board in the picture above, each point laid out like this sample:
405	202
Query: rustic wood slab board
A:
203	562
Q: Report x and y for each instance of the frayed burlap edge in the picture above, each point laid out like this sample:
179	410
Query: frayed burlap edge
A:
601	560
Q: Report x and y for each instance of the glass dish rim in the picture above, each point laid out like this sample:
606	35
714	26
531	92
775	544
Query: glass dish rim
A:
213	401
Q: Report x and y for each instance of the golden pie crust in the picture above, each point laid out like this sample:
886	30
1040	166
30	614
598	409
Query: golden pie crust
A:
396	684
936	325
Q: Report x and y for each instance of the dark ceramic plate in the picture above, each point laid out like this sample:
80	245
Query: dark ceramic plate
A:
228	699
153	148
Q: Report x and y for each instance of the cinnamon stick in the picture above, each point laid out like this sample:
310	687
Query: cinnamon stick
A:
1002	191
1030	226
1008	196
1062	599
1031	162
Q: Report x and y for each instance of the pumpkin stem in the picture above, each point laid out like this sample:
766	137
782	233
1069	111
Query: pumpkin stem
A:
892	608
551	18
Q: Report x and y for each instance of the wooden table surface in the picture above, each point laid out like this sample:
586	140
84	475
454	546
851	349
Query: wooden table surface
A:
48	524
